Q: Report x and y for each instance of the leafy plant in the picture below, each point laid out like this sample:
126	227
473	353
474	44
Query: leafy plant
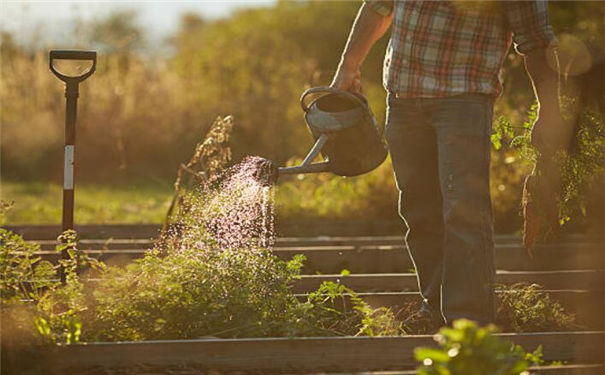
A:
467	349
229	293
580	164
193	293
19	267
526	307
336	309
31	288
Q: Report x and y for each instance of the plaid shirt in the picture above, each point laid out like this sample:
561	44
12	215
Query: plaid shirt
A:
444	48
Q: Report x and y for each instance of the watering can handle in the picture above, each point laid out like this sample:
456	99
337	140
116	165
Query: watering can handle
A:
72	55
327	89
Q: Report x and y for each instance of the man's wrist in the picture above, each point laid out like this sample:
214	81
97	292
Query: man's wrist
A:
348	62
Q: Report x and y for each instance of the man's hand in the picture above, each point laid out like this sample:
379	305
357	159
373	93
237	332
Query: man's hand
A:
347	78
550	133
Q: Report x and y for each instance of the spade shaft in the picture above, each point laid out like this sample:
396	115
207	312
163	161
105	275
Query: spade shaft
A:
71	110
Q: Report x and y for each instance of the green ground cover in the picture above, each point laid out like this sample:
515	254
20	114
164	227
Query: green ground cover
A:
303	196
39	203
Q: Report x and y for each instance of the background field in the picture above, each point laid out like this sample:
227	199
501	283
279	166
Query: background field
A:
142	112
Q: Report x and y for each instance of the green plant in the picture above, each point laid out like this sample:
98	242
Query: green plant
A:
24	274
61	306
467	349
580	164
223	293
36	203
31	289
526	307
336	309
190	293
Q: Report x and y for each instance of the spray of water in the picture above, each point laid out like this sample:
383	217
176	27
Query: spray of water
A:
235	212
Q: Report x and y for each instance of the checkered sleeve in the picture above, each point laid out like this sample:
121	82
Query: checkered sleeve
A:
382	7
529	23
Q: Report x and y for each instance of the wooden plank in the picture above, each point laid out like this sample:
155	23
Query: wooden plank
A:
397	282
50	232
398	240
114	242
595	369
102	244
395	259
391	259
148	231
304	355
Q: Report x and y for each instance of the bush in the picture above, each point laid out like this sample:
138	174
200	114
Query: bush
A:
526	307
467	349
229	293
193	293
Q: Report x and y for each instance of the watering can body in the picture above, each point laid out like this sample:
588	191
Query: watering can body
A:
345	132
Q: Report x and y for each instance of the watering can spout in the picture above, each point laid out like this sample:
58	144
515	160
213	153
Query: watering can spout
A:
306	166
323	166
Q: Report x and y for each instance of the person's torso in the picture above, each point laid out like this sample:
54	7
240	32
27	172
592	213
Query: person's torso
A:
445	48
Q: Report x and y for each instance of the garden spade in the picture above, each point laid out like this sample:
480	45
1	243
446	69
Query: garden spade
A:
71	95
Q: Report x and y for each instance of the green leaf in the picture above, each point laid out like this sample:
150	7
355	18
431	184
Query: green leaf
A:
436	355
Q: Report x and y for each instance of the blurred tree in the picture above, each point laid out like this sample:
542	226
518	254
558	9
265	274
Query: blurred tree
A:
256	64
139	117
117	33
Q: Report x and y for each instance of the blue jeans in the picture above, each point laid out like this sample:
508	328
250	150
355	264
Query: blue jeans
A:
440	149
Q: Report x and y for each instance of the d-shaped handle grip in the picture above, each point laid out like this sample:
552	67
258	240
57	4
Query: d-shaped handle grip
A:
327	90
72	55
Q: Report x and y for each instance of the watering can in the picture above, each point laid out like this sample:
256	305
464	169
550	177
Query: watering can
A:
345	133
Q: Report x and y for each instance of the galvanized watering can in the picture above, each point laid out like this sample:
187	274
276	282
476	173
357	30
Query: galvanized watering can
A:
345	133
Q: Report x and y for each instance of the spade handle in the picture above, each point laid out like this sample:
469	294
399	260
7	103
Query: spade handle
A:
67	54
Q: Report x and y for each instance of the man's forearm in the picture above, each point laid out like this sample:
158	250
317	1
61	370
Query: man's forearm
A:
368	27
543	69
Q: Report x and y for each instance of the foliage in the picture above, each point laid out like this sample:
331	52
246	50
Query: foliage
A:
187	294
191	294
19	264
338	309
326	196
211	156
582	163
526	307
31	289
467	349
140	114
501	129
116	33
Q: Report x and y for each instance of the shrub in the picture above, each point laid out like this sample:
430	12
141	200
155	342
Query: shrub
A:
198	292
580	164
467	349
228	293
526	307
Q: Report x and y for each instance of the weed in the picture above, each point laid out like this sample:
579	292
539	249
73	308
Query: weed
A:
580	164
526	307
467	349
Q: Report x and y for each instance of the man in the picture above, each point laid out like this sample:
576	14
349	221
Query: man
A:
441	71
